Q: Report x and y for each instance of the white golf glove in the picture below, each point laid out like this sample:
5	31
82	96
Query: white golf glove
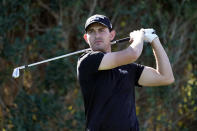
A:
149	35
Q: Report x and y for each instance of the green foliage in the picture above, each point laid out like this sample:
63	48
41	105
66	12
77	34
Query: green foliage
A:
48	97
34	111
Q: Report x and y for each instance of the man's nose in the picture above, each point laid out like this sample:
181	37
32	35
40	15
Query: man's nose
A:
97	34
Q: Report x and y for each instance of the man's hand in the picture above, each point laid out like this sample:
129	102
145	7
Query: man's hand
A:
149	35
137	35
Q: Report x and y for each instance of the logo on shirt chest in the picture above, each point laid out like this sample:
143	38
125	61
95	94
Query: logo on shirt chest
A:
123	71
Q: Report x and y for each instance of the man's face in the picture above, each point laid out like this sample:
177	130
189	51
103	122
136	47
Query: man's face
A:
99	37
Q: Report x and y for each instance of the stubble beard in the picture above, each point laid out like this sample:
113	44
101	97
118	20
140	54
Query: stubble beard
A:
102	48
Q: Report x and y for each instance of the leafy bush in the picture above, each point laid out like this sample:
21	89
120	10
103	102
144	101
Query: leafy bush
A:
48	97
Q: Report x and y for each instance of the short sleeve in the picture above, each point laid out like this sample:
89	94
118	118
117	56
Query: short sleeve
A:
90	62
138	71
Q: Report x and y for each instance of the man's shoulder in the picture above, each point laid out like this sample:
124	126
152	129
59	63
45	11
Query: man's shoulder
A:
90	55
89	62
83	56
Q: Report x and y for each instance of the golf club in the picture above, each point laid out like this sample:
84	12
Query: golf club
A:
16	72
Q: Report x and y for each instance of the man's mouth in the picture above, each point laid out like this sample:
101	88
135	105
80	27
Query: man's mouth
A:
98	41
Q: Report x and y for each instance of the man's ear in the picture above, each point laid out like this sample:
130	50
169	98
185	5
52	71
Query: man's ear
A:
113	34
85	38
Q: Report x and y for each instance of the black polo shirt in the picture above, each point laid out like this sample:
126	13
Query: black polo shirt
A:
109	95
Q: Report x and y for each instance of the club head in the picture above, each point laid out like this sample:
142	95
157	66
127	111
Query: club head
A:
16	73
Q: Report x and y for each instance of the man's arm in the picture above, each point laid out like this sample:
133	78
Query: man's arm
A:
163	74
126	56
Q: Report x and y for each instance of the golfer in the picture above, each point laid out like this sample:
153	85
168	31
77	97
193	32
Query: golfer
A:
108	79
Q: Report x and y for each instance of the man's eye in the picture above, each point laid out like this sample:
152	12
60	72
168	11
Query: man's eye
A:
101	30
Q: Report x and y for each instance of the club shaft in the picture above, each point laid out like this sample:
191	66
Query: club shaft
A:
55	58
70	54
121	40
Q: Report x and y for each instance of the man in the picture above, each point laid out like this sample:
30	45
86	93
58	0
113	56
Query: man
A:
107	79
